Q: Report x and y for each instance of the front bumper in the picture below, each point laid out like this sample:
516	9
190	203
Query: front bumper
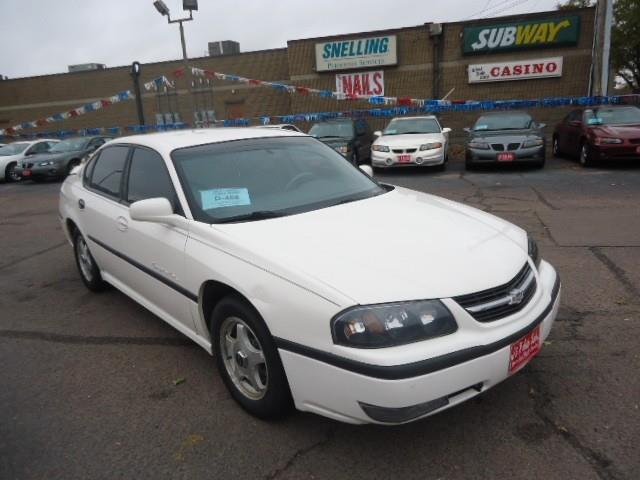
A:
615	152
50	171
522	155
344	389
419	158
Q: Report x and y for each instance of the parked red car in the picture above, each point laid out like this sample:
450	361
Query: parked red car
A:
599	133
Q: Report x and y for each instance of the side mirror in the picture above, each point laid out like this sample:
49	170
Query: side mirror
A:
29	153
575	123
542	125
377	134
155	210
467	129
446	130
367	169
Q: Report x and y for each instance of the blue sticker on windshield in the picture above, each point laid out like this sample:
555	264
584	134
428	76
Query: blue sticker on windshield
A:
481	127
224	197
594	121
390	132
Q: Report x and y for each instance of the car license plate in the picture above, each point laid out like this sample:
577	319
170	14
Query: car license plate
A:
26	173
404	158
506	157
524	350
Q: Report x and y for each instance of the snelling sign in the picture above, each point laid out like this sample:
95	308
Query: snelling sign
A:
522	70
522	35
356	53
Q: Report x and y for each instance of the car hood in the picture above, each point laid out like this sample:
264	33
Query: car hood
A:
409	141
10	158
53	156
402	245
618	131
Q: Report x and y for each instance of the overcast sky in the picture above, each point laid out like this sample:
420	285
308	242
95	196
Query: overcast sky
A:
44	36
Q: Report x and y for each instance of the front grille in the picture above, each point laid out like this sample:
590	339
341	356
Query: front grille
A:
499	302
411	150
408	150
398	151
513	146
498	147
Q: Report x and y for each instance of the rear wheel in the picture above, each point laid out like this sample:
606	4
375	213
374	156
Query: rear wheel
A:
89	271
248	359
556	148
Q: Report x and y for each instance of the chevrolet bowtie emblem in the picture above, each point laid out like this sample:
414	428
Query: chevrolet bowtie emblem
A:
515	297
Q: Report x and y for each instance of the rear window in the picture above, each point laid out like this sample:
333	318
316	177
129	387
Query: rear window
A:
107	169
507	121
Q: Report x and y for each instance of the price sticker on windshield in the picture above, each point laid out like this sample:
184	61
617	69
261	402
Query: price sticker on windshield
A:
224	197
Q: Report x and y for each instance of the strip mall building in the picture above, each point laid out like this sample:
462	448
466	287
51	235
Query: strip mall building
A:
518	57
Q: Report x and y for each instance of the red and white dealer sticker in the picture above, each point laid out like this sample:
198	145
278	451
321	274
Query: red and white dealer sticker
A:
524	350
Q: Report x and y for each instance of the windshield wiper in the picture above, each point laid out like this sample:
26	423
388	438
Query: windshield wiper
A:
253	216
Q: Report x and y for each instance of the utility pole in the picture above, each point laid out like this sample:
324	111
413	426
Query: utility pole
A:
135	74
602	47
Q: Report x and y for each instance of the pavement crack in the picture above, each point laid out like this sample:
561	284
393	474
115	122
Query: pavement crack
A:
543	200
542	399
91	340
617	272
300	453
546	229
28	257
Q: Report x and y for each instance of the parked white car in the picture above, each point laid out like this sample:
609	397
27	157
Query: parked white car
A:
14	153
283	126
411	141
246	241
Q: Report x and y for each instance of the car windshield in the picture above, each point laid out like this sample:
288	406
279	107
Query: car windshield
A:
332	130
613	116
256	179
13	149
70	145
411	126
507	121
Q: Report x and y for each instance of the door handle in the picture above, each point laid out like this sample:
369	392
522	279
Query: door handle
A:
123	225
81	204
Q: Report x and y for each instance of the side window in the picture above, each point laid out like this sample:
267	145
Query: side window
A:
149	178
106	174
96	142
40	147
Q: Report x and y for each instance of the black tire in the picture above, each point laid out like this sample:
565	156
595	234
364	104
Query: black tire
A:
38	179
10	175
585	155
555	148
540	164
92	278
276	400
469	165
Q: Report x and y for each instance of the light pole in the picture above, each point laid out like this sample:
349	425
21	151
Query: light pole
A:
190	6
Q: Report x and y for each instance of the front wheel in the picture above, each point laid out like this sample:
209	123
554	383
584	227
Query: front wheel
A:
556	148
10	174
248	359
89	271
585	155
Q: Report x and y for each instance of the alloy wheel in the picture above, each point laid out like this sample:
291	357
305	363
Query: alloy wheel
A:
244	358
84	259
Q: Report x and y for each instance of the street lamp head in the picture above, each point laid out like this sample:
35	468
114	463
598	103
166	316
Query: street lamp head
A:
161	7
190	4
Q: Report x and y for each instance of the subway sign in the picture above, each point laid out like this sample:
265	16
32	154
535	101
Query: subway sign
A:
522	35
356	53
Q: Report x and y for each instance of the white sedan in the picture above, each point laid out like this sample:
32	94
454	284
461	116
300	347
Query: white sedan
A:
412	141
249	242
14	153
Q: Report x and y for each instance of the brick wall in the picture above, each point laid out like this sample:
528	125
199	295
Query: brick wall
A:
37	97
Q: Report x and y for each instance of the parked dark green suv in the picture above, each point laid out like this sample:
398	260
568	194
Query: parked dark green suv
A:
350	137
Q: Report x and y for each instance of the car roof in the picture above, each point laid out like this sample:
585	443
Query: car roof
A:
503	112
166	142
431	117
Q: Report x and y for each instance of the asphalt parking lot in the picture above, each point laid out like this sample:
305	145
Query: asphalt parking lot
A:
94	386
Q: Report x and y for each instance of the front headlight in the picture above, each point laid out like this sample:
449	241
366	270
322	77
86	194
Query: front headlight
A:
479	145
533	251
536	142
389	325
380	148
430	146
607	141
45	164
